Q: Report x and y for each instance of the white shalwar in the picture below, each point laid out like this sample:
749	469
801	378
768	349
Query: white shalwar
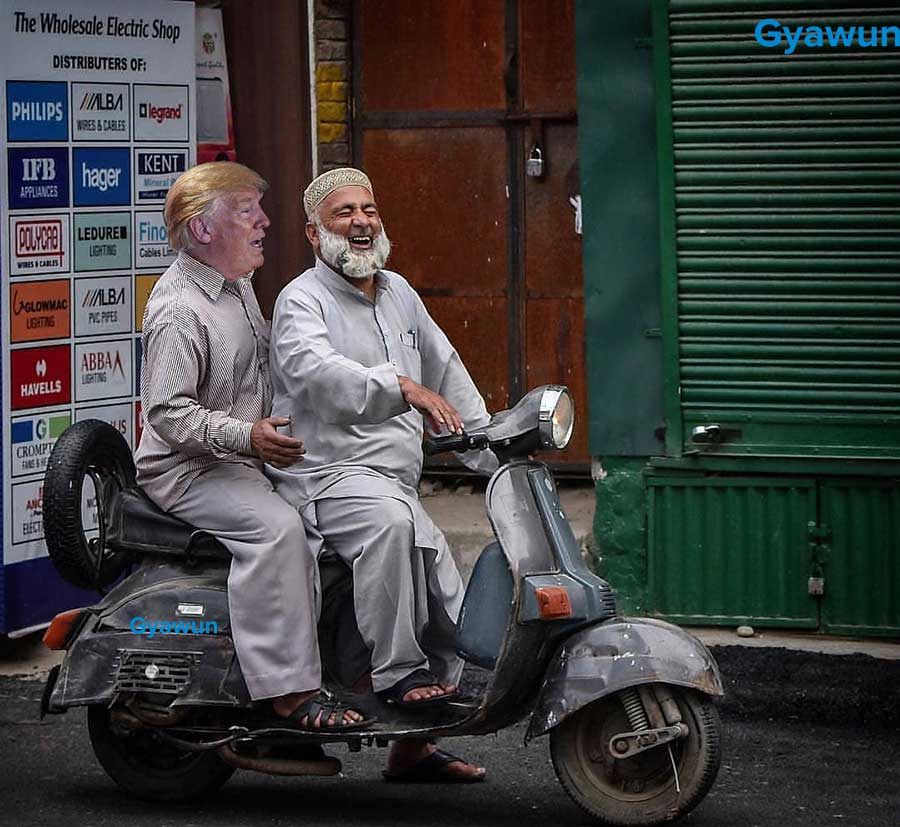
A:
335	358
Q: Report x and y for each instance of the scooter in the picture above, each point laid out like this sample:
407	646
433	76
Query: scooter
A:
629	703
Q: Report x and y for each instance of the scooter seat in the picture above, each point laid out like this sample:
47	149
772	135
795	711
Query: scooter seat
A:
137	524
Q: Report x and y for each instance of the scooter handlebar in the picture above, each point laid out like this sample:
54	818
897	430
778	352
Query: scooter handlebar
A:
454	442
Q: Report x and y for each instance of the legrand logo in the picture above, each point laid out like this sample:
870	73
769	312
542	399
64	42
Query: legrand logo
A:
160	113
771	34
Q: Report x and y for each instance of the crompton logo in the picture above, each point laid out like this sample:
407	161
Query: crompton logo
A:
771	34
102	177
36	111
38	178
33	440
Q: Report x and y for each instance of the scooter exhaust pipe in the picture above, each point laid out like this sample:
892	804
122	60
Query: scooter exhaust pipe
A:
327	765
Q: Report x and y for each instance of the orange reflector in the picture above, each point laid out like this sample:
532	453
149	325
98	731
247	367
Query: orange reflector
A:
60	629
553	602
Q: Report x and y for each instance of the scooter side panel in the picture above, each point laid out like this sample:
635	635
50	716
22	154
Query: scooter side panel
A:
615	655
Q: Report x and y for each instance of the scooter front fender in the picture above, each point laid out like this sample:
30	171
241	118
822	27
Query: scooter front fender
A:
614	655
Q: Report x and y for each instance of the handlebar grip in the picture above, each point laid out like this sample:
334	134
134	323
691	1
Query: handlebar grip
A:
440	444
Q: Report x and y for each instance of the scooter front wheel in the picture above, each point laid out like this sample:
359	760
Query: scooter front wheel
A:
146	766
651	787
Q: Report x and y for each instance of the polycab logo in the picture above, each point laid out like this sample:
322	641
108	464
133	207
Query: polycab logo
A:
100	112
160	113
38	178
102	177
36	111
103	370
40	377
39	244
155	172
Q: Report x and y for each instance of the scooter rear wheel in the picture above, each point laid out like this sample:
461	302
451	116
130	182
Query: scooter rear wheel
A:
639	790
146	766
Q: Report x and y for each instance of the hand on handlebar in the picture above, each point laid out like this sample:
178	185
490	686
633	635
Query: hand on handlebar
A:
438	412
275	448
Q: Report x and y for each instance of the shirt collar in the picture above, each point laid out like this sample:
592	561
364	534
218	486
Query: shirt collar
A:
335	280
207	278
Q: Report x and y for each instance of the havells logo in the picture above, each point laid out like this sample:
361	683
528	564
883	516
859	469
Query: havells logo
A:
36	111
102	177
38	178
155	172
100	112
40	377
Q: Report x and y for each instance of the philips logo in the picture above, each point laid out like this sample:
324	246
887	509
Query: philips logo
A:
771	34
36	111
102	177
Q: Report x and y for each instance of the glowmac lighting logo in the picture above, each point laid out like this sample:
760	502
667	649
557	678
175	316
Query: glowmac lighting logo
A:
36	111
771	34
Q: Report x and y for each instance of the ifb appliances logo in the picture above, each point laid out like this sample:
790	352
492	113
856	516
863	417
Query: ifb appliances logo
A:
771	34
38	178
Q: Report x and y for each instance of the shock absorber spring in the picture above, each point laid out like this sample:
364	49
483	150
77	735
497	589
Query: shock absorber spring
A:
634	709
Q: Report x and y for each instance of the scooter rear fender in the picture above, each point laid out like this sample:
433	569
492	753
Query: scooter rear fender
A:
614	655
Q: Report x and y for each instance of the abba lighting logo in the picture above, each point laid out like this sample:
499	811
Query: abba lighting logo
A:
102	370
36	111
39	244
771	34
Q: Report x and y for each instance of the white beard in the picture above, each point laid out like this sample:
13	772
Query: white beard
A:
337	252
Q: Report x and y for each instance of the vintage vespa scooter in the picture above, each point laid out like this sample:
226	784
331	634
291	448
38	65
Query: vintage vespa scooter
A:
628	702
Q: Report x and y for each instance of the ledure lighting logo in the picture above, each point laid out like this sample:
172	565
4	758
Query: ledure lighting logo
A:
771	34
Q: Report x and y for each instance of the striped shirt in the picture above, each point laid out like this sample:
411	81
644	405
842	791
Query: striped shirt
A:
204	377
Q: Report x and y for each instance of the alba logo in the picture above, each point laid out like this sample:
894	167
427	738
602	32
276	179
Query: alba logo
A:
102	102
160	113
40	367
104	297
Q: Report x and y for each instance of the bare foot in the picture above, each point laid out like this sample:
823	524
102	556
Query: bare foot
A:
436	690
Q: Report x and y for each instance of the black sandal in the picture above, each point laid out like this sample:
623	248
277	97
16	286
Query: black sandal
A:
328	705
415	680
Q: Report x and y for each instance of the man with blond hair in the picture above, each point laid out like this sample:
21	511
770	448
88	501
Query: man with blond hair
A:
357	362
206	398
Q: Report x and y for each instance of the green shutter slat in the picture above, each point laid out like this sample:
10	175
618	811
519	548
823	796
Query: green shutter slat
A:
787	225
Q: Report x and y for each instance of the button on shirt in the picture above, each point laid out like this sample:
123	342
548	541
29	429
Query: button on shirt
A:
204	377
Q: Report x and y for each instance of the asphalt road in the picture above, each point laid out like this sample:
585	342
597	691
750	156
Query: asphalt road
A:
809	740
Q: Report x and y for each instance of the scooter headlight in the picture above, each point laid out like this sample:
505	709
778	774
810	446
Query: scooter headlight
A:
557	417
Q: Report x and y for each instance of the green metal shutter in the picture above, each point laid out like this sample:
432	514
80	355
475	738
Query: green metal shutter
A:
784	229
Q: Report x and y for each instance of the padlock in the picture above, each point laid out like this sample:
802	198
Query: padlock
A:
534	165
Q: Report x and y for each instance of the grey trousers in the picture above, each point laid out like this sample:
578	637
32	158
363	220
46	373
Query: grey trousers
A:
271	582
407	599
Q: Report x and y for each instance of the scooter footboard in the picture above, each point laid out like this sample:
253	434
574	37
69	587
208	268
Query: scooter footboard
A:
617	654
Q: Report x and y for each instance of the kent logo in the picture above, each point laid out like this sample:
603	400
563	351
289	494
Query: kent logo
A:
161	163
770	33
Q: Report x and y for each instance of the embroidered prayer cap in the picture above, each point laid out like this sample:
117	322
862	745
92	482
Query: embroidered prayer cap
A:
325	184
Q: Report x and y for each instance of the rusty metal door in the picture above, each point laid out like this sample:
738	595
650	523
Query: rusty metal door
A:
450	101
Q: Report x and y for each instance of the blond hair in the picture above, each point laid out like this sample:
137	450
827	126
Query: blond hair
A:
197	192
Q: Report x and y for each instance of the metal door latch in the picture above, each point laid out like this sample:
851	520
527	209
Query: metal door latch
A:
534	165
714	434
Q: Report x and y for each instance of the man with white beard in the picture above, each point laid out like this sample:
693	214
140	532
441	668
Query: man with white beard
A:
357	363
